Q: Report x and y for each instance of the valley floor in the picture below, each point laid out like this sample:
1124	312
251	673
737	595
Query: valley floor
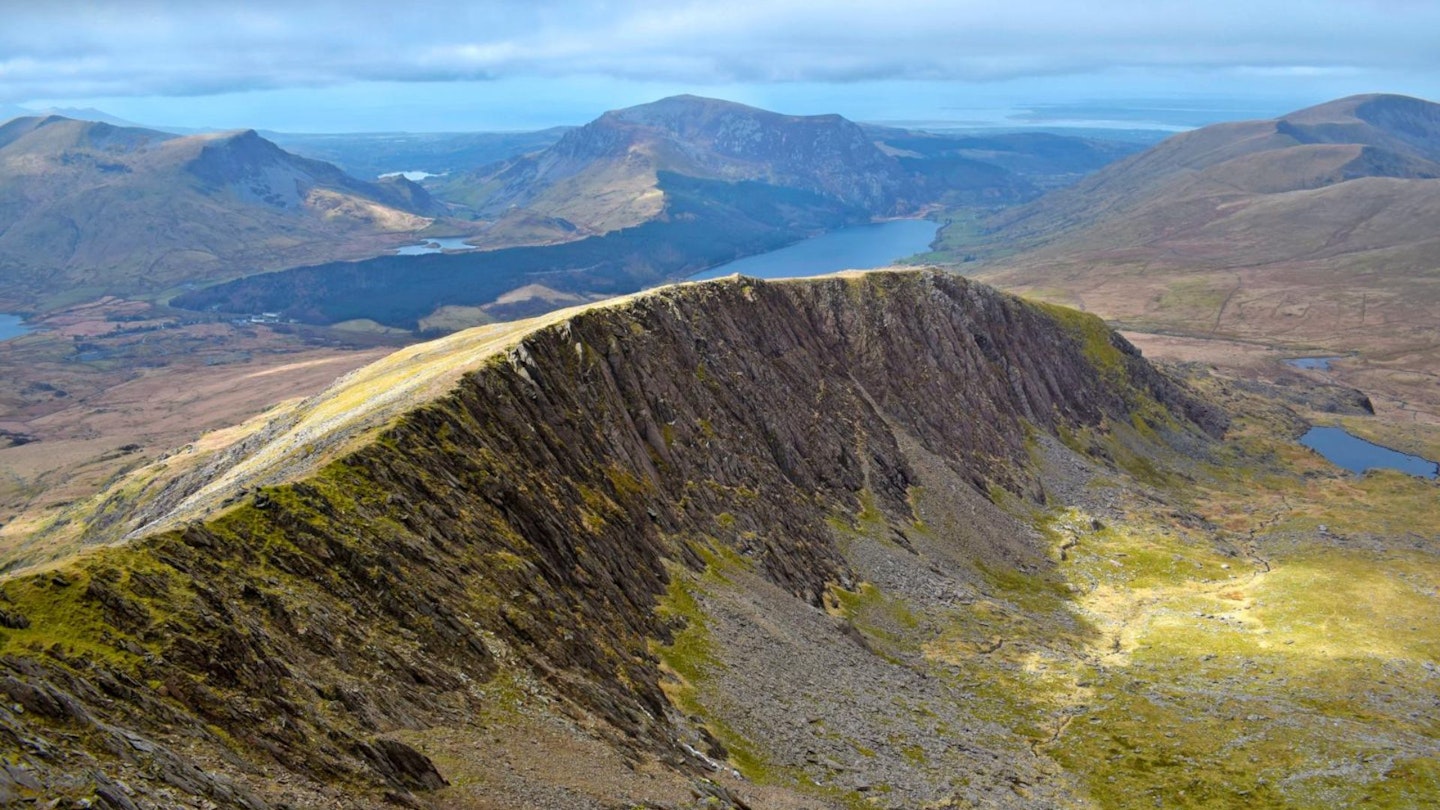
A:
107	387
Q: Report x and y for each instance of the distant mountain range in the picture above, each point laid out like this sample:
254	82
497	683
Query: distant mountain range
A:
91	207
657	192
8	111
604	175
631	199
373	154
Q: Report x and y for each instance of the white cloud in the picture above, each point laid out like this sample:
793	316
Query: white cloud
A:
68	50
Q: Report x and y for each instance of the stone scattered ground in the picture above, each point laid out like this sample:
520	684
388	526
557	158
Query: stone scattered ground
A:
1256	629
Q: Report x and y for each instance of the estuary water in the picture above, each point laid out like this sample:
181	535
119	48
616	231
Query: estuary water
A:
858	247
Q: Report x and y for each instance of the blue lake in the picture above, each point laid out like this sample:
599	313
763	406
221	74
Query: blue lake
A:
413	177
434	246
1312	363
1357	455
859	247
11	326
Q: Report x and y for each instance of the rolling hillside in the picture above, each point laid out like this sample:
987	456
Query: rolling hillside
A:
1161	190
1318	228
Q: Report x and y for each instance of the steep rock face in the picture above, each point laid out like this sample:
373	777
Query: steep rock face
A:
258	171
826	154
526	521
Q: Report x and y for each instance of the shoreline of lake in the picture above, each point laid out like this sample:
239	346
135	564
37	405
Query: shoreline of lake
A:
1350	452
1313	363
857	247
13	326
438	244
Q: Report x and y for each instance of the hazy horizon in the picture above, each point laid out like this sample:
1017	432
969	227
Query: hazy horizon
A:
1144	114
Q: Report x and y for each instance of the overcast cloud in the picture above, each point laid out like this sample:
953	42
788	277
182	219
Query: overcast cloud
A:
66	50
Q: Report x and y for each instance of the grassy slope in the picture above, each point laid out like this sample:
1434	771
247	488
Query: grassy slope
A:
290	440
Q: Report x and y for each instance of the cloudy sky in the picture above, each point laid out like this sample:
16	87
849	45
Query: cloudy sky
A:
360	65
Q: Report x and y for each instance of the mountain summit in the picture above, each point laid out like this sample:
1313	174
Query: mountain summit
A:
1400	124
606	174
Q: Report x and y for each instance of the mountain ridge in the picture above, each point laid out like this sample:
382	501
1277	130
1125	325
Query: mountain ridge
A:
255	619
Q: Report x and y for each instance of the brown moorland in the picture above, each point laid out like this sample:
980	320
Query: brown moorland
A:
108	386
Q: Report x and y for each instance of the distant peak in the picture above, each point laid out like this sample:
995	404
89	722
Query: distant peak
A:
245	141
223	156
692	99
1353	107
691	109
672	105
232	135
1366	98
78	124
222	134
